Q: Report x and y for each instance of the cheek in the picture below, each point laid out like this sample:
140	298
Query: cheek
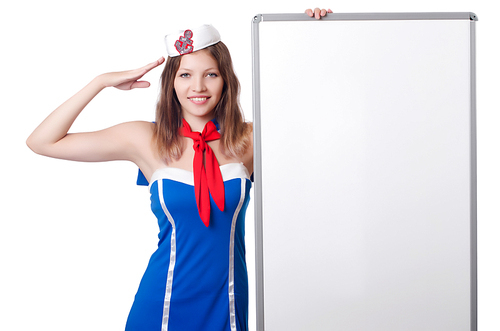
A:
219	88
178	90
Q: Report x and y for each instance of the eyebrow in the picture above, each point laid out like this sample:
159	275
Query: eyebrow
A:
208	69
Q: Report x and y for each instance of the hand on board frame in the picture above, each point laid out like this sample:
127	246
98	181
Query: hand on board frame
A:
318	13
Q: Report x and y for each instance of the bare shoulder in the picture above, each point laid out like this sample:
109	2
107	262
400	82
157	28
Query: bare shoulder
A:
138	134
138	126
249	134
140	129
249	126
248	156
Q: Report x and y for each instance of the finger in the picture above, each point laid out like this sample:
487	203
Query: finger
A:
309	12
140	84
330	11
154	64
323	12
138	73
317	13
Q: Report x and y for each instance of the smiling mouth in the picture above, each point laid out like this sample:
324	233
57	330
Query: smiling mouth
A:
198	99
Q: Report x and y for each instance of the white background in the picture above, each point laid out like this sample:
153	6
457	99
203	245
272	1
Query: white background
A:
75	238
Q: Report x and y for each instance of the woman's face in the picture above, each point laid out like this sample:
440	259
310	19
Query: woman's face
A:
198	85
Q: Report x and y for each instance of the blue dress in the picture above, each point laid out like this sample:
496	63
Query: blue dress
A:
197	279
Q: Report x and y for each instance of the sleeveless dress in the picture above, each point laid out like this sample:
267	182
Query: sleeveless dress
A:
196	280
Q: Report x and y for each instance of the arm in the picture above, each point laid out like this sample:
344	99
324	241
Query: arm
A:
51	137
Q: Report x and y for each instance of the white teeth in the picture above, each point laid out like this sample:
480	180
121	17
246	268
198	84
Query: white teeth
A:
198	99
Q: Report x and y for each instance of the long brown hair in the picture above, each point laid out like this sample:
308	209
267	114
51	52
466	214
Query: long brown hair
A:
233	129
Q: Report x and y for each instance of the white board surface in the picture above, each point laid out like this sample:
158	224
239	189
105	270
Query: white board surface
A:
365	174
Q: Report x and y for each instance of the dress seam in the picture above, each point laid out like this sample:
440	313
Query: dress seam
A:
232	307
170	273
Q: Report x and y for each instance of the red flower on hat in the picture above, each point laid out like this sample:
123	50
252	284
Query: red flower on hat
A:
184	45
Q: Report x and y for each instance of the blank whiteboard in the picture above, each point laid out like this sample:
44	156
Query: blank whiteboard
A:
365	172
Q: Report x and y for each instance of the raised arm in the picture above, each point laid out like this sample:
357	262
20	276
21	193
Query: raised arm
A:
51	137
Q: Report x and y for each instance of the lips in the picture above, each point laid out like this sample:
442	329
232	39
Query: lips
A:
199	99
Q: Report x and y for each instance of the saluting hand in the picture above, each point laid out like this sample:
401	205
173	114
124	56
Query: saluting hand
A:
129	79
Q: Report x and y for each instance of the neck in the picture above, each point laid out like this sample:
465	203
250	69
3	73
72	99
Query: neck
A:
197	123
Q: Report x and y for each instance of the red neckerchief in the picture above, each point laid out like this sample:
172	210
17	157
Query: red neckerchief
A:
207	178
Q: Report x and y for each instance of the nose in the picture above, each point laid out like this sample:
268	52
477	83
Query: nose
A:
198	84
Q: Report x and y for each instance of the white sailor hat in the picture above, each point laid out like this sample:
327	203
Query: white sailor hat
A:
191	40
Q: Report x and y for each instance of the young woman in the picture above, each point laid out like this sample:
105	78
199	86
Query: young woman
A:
197	159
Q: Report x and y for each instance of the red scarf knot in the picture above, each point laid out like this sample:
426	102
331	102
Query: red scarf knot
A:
207	177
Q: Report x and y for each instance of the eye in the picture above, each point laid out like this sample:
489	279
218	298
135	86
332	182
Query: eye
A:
212	74
184	75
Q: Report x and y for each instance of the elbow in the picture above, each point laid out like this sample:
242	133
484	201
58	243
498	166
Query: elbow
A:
29	143
32	144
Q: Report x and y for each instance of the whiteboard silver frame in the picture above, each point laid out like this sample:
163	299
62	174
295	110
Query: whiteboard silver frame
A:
257	136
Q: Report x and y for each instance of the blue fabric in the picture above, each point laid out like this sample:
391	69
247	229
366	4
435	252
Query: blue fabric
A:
199	299
141	179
